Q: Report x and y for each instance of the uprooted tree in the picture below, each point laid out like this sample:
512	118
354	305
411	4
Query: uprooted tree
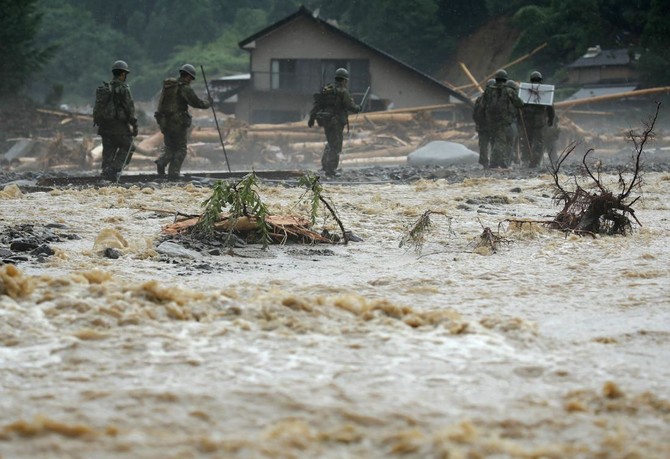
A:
599	210
236	209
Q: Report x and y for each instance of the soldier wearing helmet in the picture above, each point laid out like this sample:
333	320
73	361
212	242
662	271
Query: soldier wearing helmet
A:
501	103
481	126
114	114
535	119
330	110
174	119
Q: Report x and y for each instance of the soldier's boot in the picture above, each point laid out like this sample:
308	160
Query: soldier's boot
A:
160	168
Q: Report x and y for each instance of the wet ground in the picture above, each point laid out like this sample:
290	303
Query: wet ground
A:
552	346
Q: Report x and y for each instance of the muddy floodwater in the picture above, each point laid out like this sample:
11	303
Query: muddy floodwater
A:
554	346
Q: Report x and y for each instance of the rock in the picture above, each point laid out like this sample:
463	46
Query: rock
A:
43	250
177	251
23	245
112	253
442	153
4	253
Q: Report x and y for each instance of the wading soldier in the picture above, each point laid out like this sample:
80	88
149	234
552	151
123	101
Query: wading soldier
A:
174	119
500	106
331	109
536	118
479	117
114	114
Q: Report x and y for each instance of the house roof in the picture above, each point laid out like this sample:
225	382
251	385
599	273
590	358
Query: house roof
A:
248	42
593	91
606	57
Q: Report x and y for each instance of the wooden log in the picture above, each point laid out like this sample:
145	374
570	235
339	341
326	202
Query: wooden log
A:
152	142
566	104
375	160
470	77
287	137
385	152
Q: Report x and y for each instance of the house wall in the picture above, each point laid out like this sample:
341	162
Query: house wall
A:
304	39
589	75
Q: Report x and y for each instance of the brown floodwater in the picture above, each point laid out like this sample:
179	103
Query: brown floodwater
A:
554	346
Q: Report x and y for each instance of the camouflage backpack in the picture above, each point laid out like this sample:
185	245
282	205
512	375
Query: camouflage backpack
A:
325	104
497	105
104	109
167	103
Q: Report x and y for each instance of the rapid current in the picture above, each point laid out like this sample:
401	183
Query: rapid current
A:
552	346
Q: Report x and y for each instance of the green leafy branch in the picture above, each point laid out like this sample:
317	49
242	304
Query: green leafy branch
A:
313	184
242	200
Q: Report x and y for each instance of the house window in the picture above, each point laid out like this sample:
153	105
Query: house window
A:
306	76
283	74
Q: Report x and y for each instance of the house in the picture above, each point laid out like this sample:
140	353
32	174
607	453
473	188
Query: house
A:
602	72
291	59
604	66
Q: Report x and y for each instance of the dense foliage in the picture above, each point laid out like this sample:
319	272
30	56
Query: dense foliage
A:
83	37
21	54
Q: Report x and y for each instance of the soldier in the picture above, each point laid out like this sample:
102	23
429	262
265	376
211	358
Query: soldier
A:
331	108
514	127
114	114
500	106
535	118
479	117
174	119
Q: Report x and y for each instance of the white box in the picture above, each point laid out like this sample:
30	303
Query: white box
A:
536	94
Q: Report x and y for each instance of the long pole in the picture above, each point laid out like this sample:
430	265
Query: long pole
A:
125	161
215	119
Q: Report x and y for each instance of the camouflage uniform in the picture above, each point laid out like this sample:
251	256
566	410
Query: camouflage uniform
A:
174	120
500	106
550	136
117	137
481	126
333	118
535	119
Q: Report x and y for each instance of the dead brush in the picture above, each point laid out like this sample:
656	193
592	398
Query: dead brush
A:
599	210
415	235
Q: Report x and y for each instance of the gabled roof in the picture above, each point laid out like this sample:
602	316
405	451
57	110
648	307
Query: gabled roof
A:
304	12
602	58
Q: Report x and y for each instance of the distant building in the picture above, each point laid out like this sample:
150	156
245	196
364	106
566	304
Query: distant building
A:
292	58
602	72
604	66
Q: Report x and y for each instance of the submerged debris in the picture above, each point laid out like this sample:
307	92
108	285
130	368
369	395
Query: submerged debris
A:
416	234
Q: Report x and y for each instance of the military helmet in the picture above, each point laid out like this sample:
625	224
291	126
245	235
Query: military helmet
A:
120	65
512	84
342	73
188	69
490	83
536	76
501	74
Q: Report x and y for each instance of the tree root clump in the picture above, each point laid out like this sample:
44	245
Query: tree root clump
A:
601	210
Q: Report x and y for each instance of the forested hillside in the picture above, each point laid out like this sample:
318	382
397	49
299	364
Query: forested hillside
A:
61	49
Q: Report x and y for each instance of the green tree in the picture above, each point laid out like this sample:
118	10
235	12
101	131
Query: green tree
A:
20	55
407	29
655	60
85	52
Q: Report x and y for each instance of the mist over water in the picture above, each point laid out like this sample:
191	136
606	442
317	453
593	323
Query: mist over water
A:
553	346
